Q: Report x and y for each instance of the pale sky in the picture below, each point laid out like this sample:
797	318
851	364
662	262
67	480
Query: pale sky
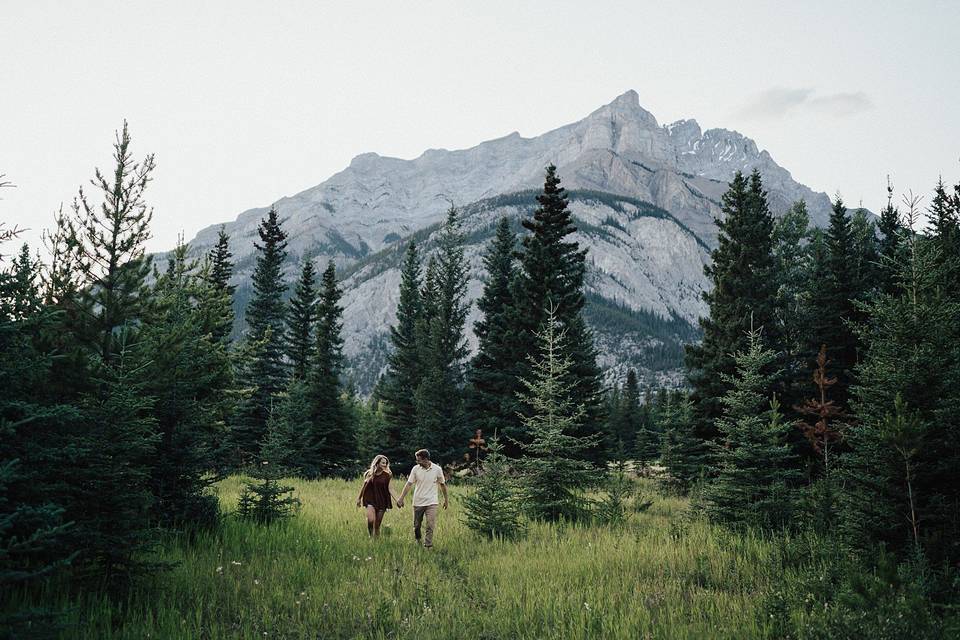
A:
245	102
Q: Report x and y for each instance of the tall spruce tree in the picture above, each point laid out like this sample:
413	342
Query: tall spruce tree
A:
790	256
551	276
220	270
34	427
443	345
555	472
300	321
111	499
404	371
908	377
945	231
265	372
890	243
109	246
743	295
331	447
187	372
755	472
834	288
491	397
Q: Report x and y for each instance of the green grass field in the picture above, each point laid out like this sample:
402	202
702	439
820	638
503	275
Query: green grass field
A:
664	575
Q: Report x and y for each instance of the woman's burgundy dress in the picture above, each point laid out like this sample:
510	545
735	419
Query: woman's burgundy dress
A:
377	493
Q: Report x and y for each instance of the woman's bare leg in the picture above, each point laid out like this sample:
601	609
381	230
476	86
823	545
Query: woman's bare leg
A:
371	519
378	522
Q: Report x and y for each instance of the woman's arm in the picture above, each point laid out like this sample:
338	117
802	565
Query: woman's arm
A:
362	487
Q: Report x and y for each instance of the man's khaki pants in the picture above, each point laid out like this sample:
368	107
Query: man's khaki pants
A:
431	513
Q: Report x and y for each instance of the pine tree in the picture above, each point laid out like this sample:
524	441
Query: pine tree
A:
111	500
755	470
834	288
443	345
890	243
266	371
403	374
555	473
34	426
682	453
300	320
187	372
551	276
491	398
911	339
495	508
790	255
331	445
220	270
108	242
743	295
945	230
221	266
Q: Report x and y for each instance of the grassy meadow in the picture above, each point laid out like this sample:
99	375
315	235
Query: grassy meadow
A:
663	575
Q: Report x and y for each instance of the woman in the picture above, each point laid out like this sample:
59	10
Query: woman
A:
375	494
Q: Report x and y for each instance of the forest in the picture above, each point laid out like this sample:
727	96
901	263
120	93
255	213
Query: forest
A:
165	475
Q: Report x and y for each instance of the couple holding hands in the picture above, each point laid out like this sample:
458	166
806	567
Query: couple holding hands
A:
427	481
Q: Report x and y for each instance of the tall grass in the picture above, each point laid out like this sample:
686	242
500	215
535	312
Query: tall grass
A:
663	575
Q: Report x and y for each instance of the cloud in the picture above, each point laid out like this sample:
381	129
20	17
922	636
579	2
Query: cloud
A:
841	104
780	101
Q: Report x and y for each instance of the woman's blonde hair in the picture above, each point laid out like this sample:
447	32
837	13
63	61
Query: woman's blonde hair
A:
373	466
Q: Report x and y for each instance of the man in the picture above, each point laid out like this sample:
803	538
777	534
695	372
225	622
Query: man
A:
426	478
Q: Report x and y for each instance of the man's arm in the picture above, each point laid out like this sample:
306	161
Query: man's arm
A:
403	494
443	489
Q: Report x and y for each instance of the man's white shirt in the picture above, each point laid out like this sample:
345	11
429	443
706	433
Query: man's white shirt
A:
425	484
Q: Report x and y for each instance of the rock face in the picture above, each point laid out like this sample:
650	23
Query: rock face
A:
644	195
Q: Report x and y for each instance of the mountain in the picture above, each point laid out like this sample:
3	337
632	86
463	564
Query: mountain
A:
644	197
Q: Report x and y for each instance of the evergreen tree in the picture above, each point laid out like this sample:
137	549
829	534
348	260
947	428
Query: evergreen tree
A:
186	370
551	276
744	295
682	453
34	537
911	339
790	256
111	499
265	372
221	265
331	445
945	230
108	242
404	371
443	345
890	243
754	465
265	500
495	508
491	398
555	473
300	320
834	287
220	270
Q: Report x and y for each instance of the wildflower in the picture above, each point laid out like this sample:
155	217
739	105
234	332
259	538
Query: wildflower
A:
255	581
368	558
235	563
586	605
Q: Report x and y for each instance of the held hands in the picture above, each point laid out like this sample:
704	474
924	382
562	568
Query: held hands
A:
400	503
